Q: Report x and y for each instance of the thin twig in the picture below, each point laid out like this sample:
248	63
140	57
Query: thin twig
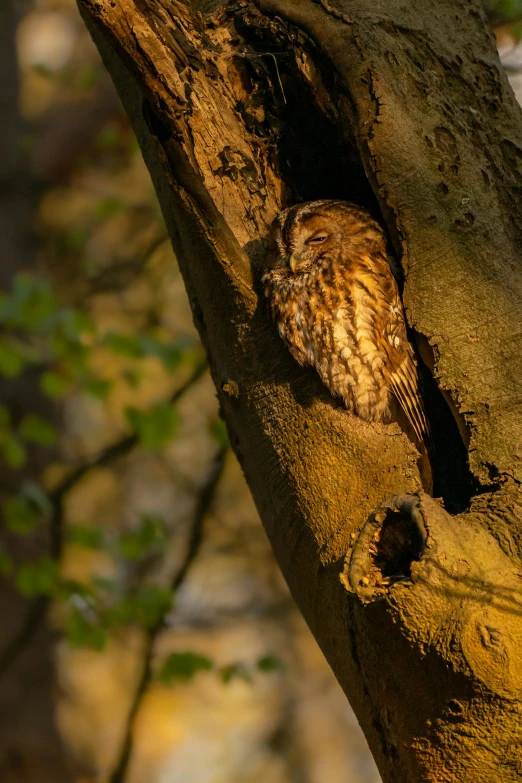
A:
270	54
38	607
119	448
251	56
24	634
101	282
203	505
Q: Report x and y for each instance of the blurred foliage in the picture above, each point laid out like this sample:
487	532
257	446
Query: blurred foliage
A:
235	671
58	342
218	428
100	608
21	512
60	345
154	427
149	538
503	11
183	666
270	663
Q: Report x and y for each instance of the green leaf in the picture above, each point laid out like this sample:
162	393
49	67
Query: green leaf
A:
515	31
270	663
105	585
82	632
34	493
121	613
42	70
86	536
219	432
136	347
87	78
13	450
108	137
82	322
154	427
107	207
20	512
124	344
38	578
99	388
150	537
75	239
182	666
37	430
150	604
19	515
54	385
234	671
134	147
170	354
146	607
73	590
504	10
65	343
31	304
11	362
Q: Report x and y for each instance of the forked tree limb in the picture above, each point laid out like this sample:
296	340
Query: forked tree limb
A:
243	107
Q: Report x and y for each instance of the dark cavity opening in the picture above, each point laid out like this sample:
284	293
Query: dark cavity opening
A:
317	155
398	545
453	480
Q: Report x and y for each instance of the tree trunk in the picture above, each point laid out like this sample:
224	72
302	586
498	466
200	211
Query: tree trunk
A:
242	108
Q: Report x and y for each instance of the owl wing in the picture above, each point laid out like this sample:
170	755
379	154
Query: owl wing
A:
404	384
404	380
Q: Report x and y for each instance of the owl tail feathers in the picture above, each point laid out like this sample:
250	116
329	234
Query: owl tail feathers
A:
405	386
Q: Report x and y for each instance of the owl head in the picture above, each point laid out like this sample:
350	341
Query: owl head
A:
304	233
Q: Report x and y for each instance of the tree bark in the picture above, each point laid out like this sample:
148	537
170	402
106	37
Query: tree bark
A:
242	108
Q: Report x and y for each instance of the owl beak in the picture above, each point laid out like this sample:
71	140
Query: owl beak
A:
293	263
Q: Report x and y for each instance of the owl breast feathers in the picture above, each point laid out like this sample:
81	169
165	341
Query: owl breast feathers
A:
336	304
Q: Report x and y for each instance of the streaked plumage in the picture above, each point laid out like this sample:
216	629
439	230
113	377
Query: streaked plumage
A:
337	307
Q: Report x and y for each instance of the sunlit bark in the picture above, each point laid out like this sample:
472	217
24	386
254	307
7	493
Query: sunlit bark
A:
241	108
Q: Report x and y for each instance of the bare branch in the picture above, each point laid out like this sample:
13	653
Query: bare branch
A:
203	505
38	607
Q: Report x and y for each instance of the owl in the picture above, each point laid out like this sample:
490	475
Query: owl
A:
331	291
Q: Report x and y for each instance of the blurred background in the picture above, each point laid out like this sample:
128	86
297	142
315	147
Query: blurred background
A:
146	633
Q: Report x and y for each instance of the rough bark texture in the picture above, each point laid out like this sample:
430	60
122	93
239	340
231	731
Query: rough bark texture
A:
244	107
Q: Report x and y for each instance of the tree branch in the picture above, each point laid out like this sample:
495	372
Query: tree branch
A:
38	608
203	505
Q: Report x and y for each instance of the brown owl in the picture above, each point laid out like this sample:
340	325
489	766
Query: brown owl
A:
337	307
